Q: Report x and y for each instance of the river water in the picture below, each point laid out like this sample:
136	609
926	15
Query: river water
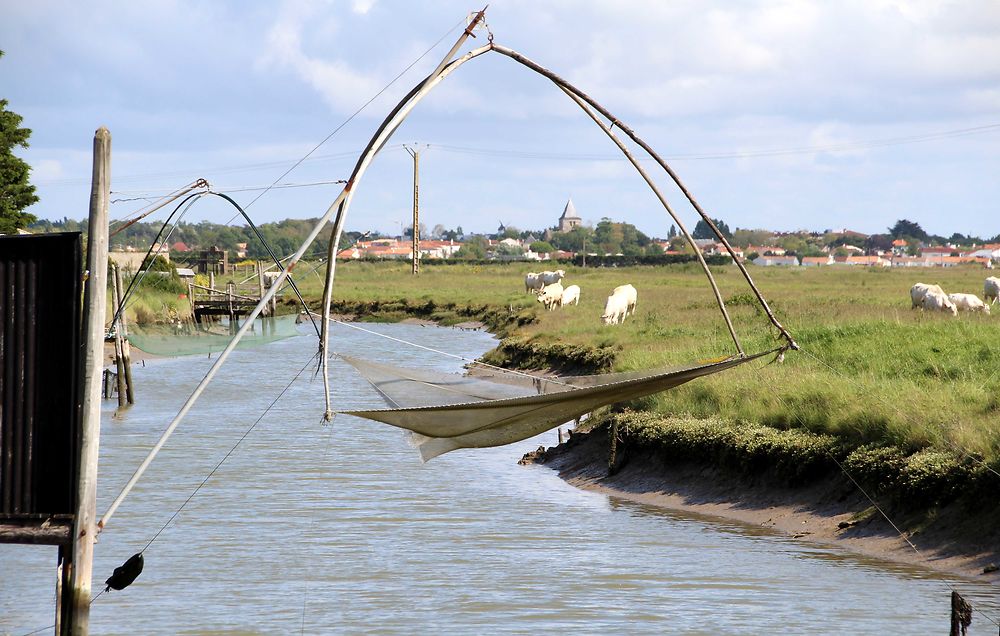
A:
313	529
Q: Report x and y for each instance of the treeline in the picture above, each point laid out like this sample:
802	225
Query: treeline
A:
284	237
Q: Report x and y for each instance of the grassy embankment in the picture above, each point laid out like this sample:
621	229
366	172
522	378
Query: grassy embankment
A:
872	374
872	371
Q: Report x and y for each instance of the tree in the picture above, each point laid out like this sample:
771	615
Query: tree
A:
16	193
703	231
672	232
574	240
542	247
879	242
408	231
473	249
905	228
745	238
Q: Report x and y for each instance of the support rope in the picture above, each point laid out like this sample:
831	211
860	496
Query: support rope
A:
776	393
534	378
351	117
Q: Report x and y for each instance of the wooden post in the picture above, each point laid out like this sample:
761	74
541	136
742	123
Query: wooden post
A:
415	247
123	330
230	296
211	284
119	353
76	619
260	280
961	615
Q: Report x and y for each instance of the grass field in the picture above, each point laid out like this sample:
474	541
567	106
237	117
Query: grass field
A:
870	370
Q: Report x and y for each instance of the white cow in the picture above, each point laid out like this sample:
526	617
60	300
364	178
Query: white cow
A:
969	302
550	278
551	296
918	291
991	290
939	302
572	295
631	295
532	282
615	310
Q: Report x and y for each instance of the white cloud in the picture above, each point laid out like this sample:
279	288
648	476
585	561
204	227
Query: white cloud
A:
362	7
342	87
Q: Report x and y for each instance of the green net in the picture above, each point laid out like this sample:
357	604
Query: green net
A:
182	339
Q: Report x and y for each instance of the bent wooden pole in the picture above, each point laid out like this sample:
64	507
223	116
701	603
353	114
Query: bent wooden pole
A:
659	195
382	136
559	81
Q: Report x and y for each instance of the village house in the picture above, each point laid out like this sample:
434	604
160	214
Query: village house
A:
770	261
765	250
817	261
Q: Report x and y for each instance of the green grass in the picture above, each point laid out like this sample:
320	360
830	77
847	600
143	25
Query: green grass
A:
871	369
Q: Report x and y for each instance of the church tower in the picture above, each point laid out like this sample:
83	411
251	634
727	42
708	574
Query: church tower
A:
569	218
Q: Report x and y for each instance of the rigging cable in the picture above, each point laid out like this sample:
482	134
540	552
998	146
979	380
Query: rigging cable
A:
352	116
231	451
775	392
529	154
209	476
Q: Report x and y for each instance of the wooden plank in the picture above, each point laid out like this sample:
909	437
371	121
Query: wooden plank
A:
38	532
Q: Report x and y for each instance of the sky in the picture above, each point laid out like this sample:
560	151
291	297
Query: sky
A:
779	115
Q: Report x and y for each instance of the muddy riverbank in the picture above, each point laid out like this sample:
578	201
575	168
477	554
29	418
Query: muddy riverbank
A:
950	538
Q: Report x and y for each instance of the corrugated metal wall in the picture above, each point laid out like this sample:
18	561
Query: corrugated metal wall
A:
40	366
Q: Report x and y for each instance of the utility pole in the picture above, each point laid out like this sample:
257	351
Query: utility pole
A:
415	153
95	301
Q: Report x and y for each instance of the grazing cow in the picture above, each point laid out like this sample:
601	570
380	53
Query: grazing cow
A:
551	296
969	302
615	310
572	295
918	291
991	290
550	278
631	295
939	302
532	282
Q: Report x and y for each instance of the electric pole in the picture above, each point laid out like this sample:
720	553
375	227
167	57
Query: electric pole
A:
415	153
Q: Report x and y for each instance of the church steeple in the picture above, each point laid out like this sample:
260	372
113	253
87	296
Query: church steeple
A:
569	219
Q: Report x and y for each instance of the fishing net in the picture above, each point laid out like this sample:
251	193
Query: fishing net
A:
182	339
446	412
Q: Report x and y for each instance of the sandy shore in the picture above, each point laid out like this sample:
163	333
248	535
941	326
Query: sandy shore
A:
137	355
830	512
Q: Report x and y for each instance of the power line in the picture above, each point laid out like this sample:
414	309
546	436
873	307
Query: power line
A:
153	196
531	154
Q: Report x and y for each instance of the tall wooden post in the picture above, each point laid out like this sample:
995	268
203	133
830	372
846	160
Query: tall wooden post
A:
77	618
416	209
122	330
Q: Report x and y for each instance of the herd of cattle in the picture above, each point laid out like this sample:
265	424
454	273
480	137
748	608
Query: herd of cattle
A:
933	298
552	294
621	303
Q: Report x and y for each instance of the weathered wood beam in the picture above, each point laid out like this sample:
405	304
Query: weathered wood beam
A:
51	531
